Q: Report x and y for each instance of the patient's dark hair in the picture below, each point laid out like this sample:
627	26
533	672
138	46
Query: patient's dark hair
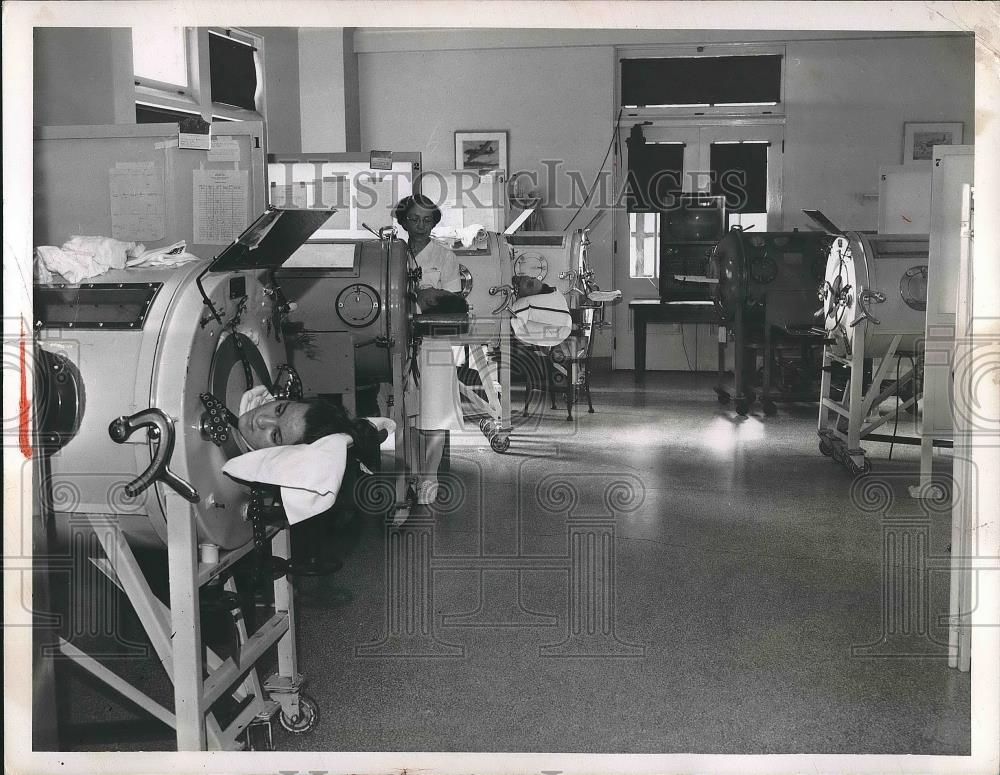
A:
324	418
403	207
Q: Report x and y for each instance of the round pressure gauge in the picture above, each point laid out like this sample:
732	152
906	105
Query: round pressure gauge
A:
913	287
531	265
358	305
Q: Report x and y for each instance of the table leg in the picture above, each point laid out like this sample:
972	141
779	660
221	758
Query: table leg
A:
640	344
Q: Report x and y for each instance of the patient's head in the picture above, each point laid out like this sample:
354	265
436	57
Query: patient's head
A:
292	422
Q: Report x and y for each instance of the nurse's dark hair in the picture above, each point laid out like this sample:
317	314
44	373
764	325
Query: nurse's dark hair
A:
403	206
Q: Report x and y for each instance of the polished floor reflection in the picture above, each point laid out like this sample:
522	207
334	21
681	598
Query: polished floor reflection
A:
660	576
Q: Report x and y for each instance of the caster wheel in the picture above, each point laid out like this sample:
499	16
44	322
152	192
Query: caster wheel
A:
258	736
770	408
500	443
742	406
484	424
862	470
306	719
826	447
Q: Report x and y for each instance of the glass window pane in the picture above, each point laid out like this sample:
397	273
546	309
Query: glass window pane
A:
643	228
233	72
160	53
749	221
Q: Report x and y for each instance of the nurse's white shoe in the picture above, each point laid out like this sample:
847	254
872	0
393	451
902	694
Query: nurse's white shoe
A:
427	492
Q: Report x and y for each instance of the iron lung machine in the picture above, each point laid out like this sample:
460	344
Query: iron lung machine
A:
874	301
766	293
350	301
135	369
144	338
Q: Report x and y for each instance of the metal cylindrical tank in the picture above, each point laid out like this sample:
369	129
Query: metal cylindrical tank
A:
754	269
484	267
365	295
876	287
145	338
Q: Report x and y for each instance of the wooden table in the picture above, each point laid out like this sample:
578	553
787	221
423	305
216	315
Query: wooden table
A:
645	311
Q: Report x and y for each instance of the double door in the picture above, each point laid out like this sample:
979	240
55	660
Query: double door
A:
689	346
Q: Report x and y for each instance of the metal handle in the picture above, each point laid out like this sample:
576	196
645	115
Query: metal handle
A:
162	430
508	297
864	313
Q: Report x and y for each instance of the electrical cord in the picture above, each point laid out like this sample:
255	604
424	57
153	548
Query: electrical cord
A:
614	136
204	296
685	348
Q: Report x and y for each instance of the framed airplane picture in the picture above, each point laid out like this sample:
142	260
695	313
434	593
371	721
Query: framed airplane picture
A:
482	151
919	139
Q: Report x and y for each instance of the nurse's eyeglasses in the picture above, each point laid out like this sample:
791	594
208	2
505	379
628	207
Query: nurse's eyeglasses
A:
415	219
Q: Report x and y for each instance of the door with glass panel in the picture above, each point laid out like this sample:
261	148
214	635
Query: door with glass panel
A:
663	166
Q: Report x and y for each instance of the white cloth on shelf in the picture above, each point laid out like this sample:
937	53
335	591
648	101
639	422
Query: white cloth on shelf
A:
604	296
83	257
309	475
467	235
171	255
105	251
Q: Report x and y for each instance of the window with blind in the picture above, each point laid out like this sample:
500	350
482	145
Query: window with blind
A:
739	174
701	81
168	85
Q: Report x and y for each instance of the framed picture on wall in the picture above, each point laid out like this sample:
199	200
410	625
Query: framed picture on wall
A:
483	151
919	139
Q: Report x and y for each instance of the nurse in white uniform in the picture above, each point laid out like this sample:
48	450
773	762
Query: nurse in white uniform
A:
440	407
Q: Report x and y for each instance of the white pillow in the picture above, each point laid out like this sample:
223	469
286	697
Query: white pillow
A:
309	475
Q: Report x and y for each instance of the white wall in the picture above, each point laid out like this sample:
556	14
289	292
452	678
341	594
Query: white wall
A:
846	104
846	101
83	76
328	77
282	90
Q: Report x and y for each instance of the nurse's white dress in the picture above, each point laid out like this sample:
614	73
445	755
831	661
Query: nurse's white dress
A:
438	400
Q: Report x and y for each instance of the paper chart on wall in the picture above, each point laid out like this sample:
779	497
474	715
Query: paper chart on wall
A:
137	205
220	205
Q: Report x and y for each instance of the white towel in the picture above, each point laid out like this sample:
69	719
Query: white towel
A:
604	296
253	398
83	257
309	475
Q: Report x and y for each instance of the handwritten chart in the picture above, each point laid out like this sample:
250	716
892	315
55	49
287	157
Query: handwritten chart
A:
137	211
220	205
